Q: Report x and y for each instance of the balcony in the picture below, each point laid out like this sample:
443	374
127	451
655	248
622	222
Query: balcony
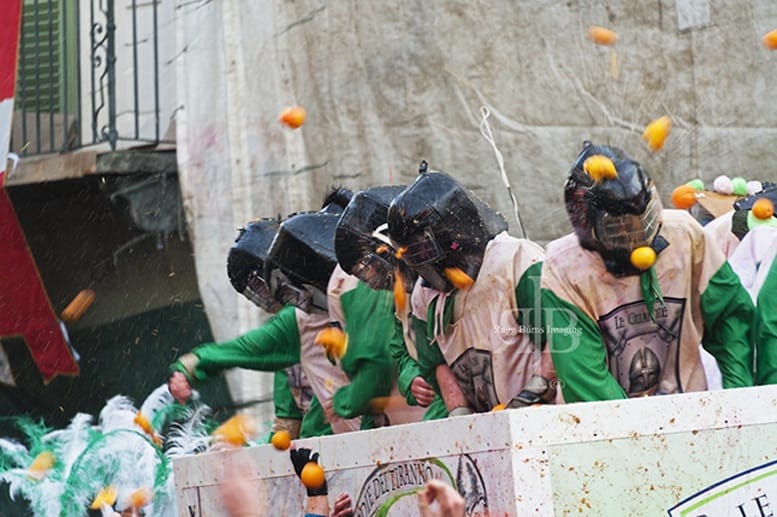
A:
89	76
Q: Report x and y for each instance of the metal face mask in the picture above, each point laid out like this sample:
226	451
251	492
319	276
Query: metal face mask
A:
439	225
362	244
375	271
289	294
258	292
626	232
246	262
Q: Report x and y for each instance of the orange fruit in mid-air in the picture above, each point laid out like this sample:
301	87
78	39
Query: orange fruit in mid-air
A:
600	167
281	440
334	341
643	258
602	36
293	117
763	208
770	40
77	307
400	294
458	278
656	132
684	197
236	430
312	475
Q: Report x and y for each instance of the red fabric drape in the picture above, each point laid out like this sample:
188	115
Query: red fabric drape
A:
25	309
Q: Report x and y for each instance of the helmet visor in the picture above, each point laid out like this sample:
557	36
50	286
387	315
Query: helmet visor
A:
258	292
375	271
289	294
629	231
423	250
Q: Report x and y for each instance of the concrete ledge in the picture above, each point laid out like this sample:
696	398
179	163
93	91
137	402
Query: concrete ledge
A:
52	167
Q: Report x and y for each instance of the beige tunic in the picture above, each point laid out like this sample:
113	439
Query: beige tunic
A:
719	233
324	377
684	269
490	355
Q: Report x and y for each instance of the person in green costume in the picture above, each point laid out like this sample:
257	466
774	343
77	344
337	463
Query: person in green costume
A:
366	318
298	264
479	323
364	250
754	262
629	295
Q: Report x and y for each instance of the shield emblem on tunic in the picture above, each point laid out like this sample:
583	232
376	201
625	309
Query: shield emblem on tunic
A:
475	373
638	347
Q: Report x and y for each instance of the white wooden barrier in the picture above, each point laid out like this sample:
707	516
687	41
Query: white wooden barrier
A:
711	453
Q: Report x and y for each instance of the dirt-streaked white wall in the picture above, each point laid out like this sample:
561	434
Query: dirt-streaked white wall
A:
386	84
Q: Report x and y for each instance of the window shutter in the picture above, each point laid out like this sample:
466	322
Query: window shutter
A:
39	79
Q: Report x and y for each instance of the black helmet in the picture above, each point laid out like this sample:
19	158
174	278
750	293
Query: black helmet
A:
361	241
615	215
439	224
246	262
301	259
742	220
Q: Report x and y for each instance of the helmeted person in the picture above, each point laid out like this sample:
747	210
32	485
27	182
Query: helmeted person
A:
365	251
295	271
629	295
361	305
480	323
726	216
292	393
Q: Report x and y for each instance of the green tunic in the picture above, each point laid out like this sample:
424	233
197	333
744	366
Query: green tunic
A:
283	399
766	329
367	316
409	368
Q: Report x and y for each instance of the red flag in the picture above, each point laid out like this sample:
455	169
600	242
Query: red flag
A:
25	309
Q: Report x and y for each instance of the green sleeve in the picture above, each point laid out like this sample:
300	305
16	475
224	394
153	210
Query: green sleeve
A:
766	329
529	300
436	409
273	346
369	322
407	367
372	381
728	314
314	422
578	352
283	400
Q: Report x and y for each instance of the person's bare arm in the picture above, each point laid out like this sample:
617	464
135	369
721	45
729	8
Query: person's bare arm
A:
451	392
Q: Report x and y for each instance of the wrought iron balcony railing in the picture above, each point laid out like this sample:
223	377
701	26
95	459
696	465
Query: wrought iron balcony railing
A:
88	74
